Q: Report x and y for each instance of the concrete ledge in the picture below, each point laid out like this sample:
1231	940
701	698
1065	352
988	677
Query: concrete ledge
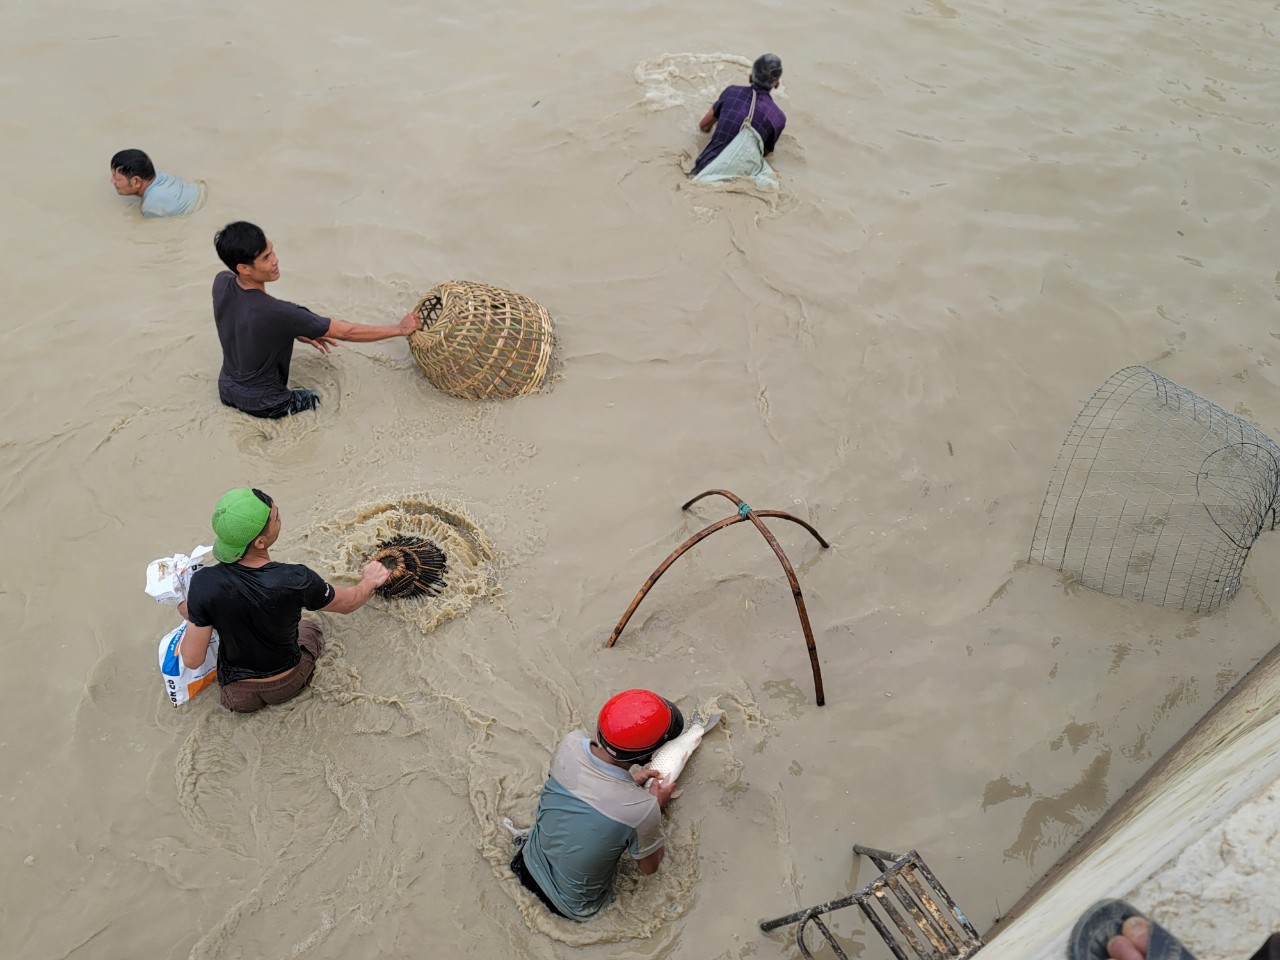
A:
1189	842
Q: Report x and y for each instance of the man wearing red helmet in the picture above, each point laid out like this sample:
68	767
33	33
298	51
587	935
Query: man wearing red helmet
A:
592	810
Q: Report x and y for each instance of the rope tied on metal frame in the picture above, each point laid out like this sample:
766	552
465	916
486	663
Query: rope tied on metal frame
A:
745	512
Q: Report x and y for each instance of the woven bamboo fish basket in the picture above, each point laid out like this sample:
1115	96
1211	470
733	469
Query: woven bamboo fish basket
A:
417	567
480	342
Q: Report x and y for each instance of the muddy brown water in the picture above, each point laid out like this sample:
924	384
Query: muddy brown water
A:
985	211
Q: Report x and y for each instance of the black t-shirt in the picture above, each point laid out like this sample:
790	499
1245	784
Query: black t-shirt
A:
255	611
257	333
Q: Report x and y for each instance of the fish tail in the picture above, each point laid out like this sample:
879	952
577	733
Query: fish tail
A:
708	720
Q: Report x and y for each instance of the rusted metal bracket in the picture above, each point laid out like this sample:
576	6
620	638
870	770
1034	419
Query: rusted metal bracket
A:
744	513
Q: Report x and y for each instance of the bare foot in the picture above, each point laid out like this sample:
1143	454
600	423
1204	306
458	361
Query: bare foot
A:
1133	941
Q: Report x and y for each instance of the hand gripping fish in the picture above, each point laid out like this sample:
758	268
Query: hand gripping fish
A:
670	758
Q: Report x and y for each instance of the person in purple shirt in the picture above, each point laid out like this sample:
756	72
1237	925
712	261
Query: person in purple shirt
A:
730	110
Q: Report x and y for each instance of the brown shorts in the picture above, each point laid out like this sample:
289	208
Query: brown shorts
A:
246	696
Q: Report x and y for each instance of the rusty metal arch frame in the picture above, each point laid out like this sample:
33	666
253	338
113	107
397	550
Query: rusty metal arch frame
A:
745	512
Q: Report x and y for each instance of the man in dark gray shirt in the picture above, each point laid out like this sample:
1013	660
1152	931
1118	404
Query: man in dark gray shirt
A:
257	331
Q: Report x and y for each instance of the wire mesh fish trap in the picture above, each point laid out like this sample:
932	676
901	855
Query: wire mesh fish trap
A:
1158	495
417	567
480	342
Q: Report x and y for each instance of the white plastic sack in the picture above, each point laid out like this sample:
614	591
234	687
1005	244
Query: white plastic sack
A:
743	156
181	682
169	577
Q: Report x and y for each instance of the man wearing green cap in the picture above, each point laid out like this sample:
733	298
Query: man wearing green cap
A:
266	651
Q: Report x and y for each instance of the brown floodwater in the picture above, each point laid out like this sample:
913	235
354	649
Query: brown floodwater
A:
985	211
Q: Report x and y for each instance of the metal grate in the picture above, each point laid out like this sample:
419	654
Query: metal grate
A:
906	894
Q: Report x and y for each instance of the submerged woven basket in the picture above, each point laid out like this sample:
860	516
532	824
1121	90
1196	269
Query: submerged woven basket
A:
417	567
480	342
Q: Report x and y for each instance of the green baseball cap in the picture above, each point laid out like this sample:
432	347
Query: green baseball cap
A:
237	520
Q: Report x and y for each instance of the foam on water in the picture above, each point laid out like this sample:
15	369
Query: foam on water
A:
689	79
348	541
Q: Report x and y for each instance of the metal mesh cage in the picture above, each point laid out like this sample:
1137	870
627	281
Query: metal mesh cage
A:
1158	495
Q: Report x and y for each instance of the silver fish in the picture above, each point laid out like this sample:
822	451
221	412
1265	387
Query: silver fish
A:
671	757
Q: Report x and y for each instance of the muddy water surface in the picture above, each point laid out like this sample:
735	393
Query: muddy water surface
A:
984	212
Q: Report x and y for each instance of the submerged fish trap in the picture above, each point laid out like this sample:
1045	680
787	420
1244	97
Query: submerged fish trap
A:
417	567
1158	495
480	342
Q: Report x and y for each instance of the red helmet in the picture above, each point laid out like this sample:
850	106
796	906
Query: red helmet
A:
634	723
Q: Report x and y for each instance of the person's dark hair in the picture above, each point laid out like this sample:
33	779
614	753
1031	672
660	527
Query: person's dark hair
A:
262	496
239	242
766	72
134	163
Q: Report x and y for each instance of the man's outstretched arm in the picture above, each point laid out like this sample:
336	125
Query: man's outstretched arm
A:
367	333
351	599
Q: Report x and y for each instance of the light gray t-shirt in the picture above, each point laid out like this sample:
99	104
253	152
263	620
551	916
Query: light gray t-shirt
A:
170	196
589	814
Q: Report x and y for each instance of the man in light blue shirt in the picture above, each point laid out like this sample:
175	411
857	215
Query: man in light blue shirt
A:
163	195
